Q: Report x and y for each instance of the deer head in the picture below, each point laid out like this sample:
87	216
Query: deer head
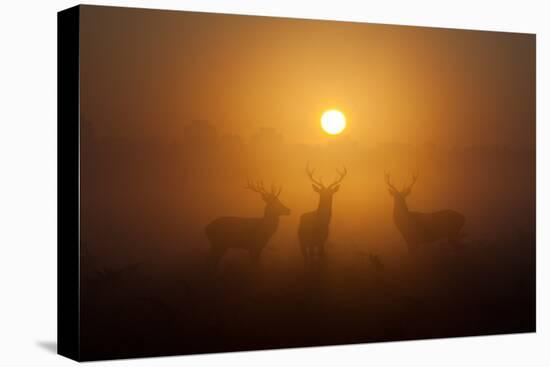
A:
320	188
398	195
273	207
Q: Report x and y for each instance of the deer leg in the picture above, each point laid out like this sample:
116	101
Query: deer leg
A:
321	251
312	254
305	254
315	252
454	241
216	253
255	256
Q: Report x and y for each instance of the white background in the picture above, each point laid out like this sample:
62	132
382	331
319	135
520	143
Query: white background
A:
28	183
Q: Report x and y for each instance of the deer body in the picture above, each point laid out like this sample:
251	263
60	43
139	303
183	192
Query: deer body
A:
314	226
251	234
420	228
314	229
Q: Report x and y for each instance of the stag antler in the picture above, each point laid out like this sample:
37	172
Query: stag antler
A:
407	189
310	174
388	182
339	179
276	192
256	187
260	189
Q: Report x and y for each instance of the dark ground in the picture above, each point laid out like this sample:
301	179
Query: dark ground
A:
148	309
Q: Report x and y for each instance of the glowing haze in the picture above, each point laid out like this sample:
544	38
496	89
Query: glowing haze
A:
398	84
179	110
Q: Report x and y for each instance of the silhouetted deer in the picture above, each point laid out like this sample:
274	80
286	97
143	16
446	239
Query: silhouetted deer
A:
314	226
419	228
250	234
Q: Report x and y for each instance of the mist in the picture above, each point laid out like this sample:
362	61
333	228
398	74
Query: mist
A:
181	111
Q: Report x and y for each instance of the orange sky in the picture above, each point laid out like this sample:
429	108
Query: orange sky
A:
148	73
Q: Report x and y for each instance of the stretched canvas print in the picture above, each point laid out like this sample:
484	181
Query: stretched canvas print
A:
232	183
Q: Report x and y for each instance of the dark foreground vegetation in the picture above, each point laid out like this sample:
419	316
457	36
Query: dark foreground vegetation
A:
146	308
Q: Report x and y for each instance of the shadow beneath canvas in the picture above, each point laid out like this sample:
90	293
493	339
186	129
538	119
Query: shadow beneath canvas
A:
50	346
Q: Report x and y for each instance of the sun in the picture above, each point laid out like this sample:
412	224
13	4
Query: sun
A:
333	122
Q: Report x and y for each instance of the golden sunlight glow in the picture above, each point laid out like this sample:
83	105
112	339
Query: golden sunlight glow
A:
333	122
